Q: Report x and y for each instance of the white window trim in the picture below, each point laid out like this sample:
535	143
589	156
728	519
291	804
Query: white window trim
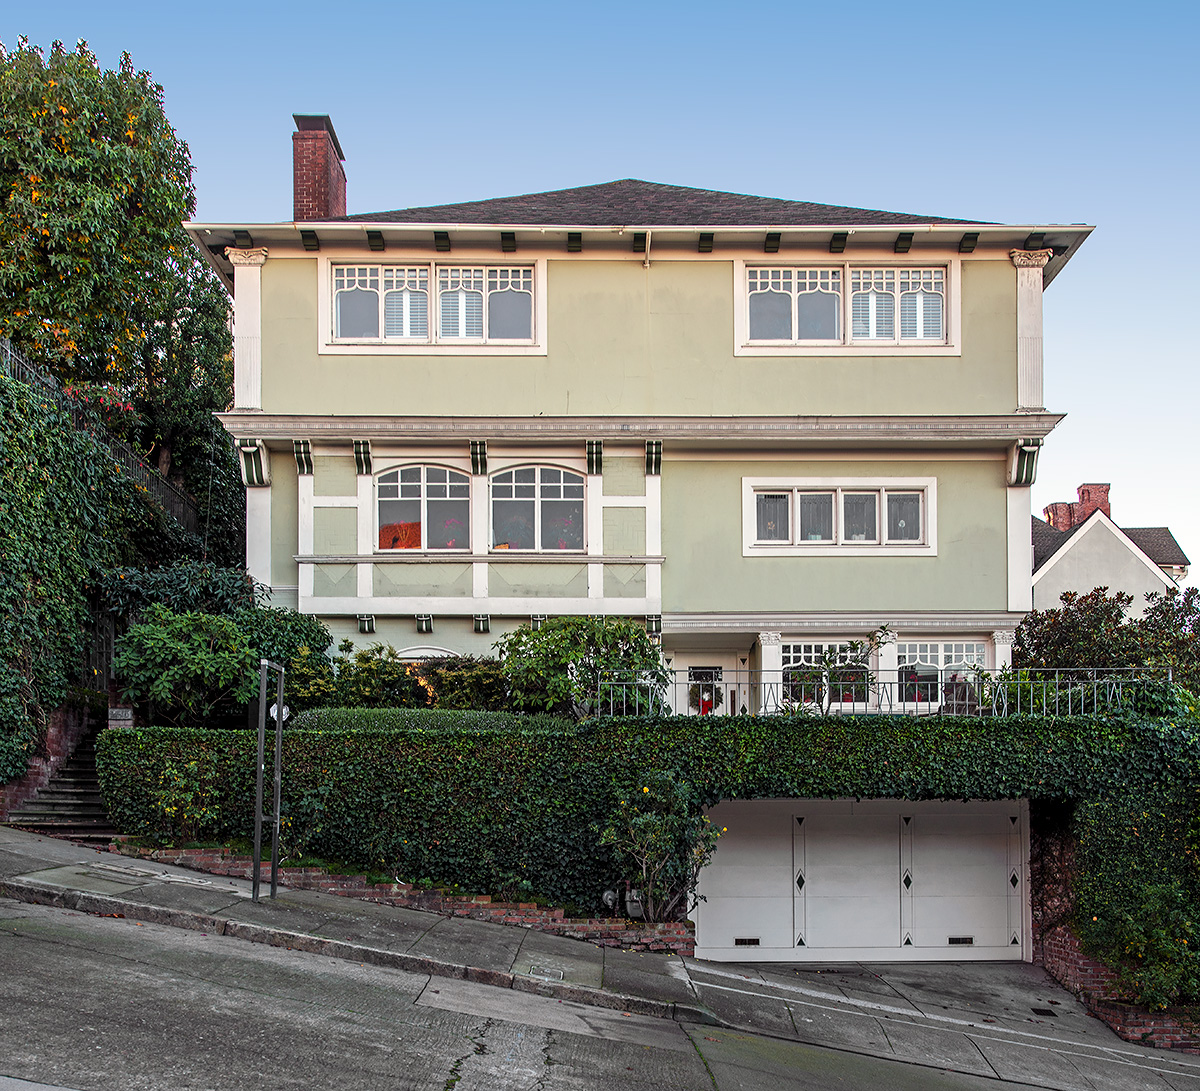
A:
424	551
327	346
751	547
537	550
951	346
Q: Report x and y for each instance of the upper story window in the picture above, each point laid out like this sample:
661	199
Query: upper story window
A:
792	305
849	305
820	516
424	507
433	304
537	508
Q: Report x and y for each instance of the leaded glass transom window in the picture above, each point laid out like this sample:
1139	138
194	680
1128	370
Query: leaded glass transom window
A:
811	306
396	303
795	305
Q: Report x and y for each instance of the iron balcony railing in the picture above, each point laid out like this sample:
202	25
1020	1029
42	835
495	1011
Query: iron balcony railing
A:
914	691
125	458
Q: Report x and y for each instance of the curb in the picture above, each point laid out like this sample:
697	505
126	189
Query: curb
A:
105	905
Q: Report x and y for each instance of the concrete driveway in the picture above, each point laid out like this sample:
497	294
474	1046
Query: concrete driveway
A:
1006	1021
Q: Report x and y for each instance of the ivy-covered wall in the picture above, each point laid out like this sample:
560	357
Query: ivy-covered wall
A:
487	801
66	511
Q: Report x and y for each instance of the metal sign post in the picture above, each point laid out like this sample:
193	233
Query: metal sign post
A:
280	714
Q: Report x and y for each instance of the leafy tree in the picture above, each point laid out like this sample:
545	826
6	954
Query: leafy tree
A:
662	840
95	184
558	668
1093	630
1170	633
184	375
98	280
1089	630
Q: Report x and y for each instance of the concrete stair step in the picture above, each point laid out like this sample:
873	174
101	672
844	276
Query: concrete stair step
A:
58	807
92	825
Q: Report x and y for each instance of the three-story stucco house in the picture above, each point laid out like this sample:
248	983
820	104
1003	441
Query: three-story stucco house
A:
764	426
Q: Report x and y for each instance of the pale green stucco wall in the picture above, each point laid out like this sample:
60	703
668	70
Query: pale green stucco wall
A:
628	340
285	509
705	570
334	475
537	580
335	531
624	476
625	532
422	579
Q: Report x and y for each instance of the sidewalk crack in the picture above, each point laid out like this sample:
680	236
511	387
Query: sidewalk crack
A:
989	1063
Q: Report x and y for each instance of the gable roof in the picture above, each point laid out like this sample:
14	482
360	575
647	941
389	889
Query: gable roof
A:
1047	541
1158	543
652	204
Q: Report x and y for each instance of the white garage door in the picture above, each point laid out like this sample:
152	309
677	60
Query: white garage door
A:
873	880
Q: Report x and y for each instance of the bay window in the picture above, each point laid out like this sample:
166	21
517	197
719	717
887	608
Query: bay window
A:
424	507
537	508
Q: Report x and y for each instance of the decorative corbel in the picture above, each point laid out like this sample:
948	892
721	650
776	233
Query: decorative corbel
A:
256	463
1022	462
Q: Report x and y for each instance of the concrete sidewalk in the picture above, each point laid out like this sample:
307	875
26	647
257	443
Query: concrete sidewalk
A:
998	1021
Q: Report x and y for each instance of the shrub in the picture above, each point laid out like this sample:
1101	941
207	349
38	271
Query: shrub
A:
661	839
310	682
377	677
188	800
185	587
1137	894
558	667
278	634
184	667
465	682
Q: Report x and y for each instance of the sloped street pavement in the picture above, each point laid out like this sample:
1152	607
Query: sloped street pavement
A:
124	974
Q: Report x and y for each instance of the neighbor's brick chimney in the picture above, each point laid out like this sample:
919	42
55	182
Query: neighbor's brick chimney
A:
1064	515
318	180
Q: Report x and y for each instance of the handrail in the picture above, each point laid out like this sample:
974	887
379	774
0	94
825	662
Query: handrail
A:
126	460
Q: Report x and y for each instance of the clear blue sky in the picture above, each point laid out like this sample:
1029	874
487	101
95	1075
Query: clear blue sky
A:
1020	112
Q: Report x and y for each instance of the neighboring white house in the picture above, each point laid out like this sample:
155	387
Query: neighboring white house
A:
1081	548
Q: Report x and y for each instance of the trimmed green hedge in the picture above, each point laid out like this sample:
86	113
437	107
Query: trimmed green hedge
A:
419	719
492	801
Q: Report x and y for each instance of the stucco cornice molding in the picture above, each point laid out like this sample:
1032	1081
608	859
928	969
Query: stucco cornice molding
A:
847	432
1030	259
246	257
941	622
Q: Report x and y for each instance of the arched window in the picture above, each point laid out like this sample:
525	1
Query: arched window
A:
424	507
537	508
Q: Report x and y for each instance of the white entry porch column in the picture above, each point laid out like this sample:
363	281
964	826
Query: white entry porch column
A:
770	677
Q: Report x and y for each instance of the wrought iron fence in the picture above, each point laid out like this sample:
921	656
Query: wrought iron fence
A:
125	459
909	691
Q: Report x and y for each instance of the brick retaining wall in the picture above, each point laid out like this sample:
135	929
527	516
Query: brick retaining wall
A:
1055	946
1096	985
604	932
68	725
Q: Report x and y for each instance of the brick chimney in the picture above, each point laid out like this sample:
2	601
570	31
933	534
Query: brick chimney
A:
318	180
1092	497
